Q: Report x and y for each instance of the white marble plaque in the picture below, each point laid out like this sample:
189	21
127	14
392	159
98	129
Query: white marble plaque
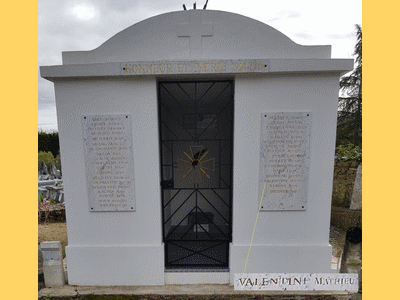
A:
109	162
284	160
296	282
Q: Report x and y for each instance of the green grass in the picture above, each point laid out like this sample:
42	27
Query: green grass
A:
353	262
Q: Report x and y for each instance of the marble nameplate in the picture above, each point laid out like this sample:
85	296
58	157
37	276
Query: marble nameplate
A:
296	282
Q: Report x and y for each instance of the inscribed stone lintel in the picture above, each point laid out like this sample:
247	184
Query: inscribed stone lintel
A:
195	67
284	160
109	162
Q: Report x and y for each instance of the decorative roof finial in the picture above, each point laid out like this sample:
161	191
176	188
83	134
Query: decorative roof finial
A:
194	5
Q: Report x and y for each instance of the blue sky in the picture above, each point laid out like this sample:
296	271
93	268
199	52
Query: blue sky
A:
73	25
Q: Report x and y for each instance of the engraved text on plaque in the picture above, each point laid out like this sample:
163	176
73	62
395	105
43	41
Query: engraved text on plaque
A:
109	162
284	160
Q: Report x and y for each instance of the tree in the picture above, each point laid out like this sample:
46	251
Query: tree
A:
349	129
48	141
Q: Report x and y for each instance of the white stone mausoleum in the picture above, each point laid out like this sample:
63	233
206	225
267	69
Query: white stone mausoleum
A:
179	132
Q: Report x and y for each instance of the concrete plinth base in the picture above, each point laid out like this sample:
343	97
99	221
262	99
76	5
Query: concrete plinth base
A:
280	259
196	277
115	265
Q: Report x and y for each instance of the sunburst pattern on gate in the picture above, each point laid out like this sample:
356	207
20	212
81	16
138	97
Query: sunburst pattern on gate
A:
197	167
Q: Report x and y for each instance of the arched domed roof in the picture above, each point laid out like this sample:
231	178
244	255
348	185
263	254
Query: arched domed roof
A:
194	35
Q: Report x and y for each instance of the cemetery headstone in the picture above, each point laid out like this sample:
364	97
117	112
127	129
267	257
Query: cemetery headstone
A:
356	199
43	173
43	169
54	172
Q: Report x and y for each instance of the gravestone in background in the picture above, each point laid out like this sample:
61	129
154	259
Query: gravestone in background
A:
356	199
43	173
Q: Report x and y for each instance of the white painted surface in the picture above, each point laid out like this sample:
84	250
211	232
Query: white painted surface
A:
115	264
209	67
302	235
161	38
280	258
196	277
101	231
125	248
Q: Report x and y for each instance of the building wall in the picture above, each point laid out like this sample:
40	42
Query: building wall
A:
129	244
284	241
112	247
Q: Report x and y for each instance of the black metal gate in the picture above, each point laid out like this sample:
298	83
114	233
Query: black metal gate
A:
196	136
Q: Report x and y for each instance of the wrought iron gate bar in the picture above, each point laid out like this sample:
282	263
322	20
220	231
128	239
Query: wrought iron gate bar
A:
172	198
163	142
194	253
228	85
222	240
187	198
203	140
224	182
190	228
176	100
197	252
227	143
169	129
229	103
179	85
179	123
197	207
218	133
197	227
172	96
214	208
220	196
170	233
213	223
205	93
186	232
218	243
219	160
174	189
